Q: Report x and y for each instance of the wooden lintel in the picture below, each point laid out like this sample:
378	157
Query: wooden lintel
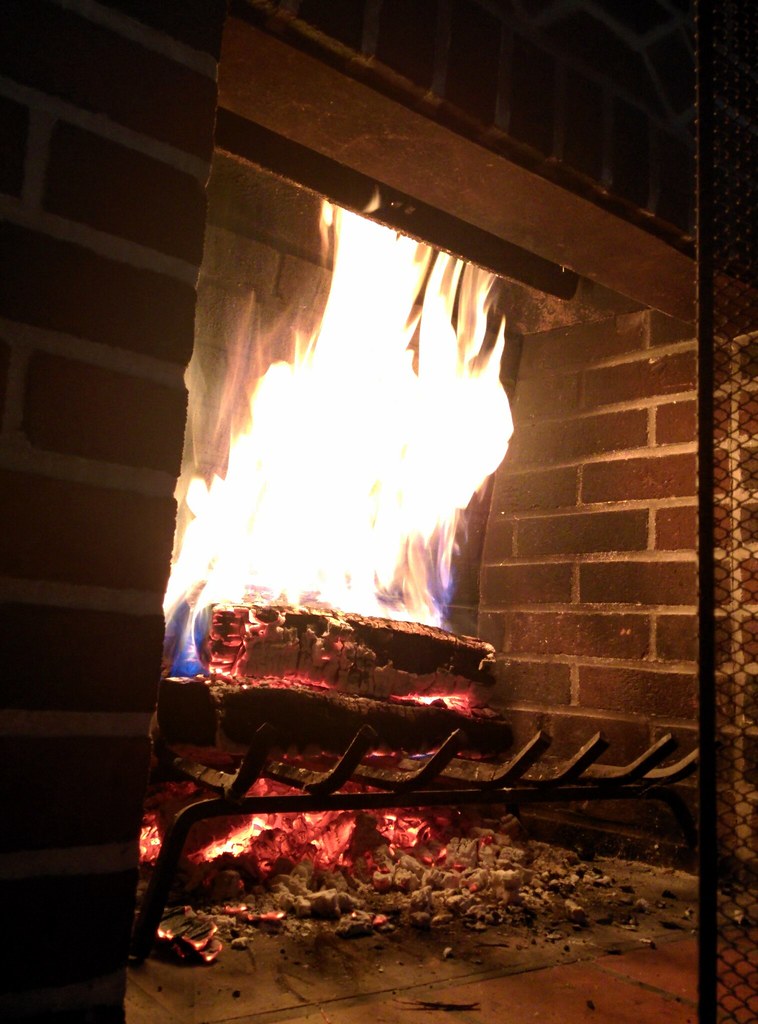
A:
289	92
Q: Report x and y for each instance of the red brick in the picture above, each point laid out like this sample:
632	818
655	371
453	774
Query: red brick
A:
491	628
66	929
585	634
14	126
197	23
74	290
552	488
650	583
546	395
63	659
535	682
122	192
120	79
77	533
644	378
526	584
677	637
747	414
675	422
667	330
86	790
627	739
654	694
676	528
498	541
84	410
582	533
578	346
544	441
664	476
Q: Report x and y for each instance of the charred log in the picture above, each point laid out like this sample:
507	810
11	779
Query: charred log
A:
228	715
352	653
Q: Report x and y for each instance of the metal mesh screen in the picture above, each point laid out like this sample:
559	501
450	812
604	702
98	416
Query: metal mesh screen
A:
728	183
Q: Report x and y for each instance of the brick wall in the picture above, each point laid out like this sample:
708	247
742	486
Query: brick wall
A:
588	585
603	92
107	113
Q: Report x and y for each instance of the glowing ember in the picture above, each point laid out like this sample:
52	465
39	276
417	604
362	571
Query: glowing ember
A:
359	455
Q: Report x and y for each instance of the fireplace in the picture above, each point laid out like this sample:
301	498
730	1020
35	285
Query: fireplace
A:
581	571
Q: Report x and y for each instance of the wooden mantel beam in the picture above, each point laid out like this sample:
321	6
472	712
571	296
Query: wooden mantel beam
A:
286	91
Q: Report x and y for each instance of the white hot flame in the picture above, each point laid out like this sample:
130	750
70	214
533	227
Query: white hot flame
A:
359	455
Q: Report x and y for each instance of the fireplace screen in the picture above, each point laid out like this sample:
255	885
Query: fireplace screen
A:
728	280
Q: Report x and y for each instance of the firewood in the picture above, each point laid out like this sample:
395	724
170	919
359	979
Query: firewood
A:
352	653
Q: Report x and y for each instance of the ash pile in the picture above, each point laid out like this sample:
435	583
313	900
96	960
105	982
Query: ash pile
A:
476	881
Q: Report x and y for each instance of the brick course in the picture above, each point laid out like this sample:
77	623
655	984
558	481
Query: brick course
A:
651	583
75	533
666	476
90	296
582	533
85	410
616	635
651	694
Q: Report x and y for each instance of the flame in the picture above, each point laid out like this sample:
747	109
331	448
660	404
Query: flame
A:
347	483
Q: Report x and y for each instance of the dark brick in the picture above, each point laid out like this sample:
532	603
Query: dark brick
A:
473	60
674	65
118	190
663	375
74	290
552	488
4	363
582	533
676	182
676	528
77	533
491	628
583	145
654	694
63	659
627	739
667	330
498	542
676	422
540	442
630	153
546	394
87	790
642	16
246	201
532	115
583	634
653	583
340	19
534	682
14	127
668	476
407	33
124	81
578	346
84	410
677	637
87	935
583	37
197	23
526	584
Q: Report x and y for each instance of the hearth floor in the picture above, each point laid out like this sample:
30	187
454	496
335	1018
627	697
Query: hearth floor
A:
552	973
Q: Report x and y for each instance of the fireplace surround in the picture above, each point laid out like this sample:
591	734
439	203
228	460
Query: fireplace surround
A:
582	574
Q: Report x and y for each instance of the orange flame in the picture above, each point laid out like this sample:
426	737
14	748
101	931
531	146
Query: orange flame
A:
359	455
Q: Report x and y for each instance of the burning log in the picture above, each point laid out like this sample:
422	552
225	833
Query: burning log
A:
348	652
216	713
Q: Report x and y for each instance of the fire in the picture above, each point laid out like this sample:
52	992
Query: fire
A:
359	455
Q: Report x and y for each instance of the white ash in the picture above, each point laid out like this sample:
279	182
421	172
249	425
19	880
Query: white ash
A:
490	878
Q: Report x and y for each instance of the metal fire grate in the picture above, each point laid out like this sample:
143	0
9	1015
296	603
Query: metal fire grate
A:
442	778
728	323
